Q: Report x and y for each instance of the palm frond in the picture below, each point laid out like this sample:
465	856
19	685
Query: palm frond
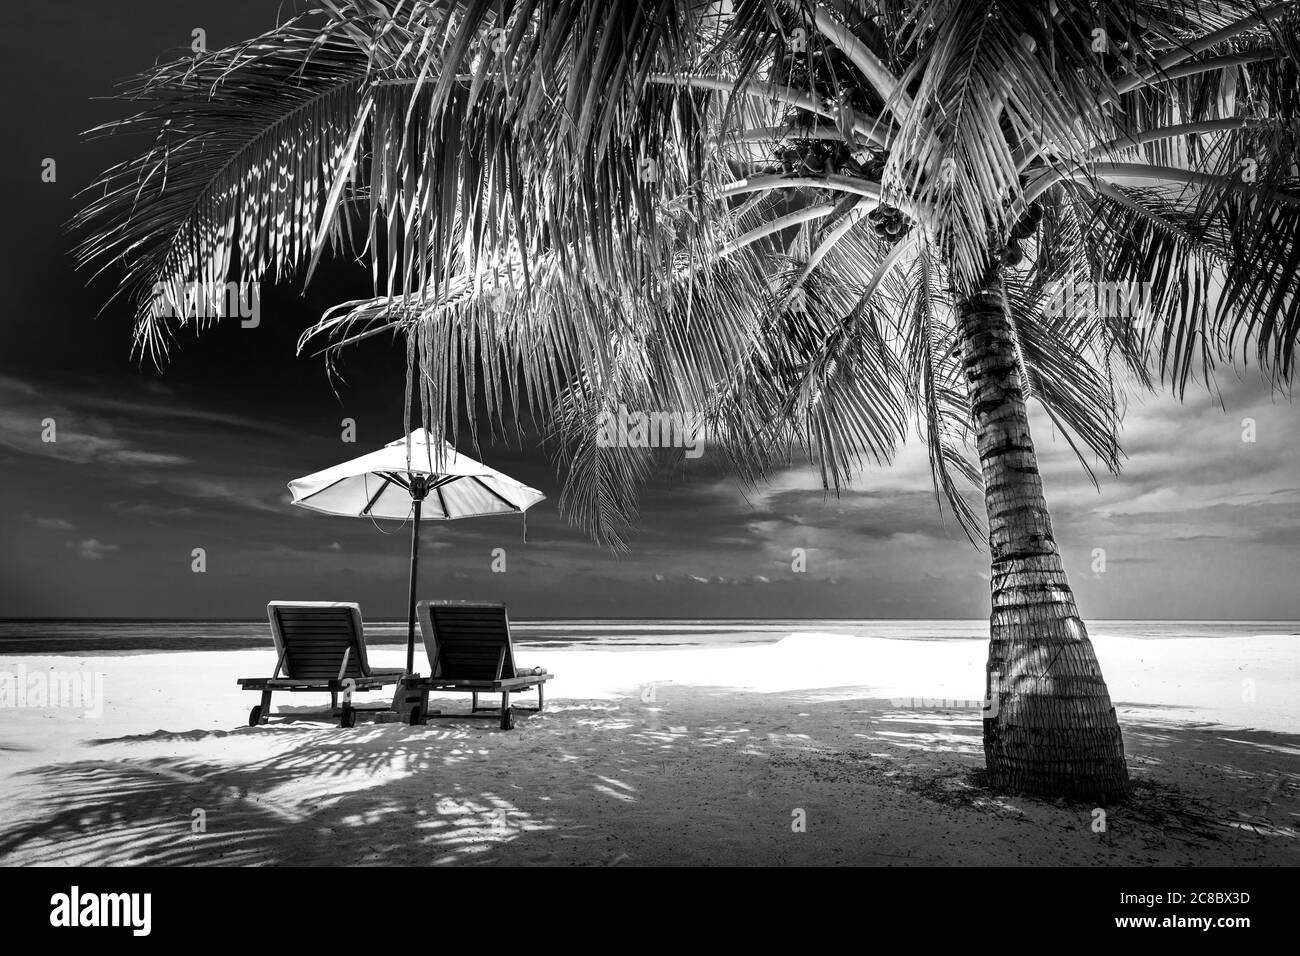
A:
245	145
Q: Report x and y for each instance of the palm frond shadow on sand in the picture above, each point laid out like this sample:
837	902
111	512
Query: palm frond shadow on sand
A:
623	782
325	795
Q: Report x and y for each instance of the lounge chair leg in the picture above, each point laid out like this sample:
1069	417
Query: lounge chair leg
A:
266	706
334	701
473	707
541	698
507	712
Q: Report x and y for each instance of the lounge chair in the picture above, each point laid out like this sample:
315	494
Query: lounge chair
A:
319	647
470	651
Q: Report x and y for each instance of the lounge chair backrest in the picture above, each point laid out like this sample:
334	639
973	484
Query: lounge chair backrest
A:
467	641
311	637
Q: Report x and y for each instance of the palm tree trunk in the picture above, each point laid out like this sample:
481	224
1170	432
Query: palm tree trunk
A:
1049	726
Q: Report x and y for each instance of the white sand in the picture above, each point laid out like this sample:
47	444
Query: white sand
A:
693	755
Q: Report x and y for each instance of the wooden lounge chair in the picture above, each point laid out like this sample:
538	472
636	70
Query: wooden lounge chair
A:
319	647
470	651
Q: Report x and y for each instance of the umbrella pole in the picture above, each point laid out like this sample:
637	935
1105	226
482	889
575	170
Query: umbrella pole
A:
415	564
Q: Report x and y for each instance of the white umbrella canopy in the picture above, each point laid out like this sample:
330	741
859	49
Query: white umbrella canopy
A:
413	478
378	485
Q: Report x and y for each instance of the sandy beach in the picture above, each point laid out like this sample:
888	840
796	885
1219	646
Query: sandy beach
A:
817	748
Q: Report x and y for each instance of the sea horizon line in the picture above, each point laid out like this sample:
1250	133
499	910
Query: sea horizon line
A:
82	619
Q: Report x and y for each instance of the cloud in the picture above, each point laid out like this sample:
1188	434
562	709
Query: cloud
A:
50	524
131	457
182	413
246	493
127	446
144	509
81	438
1200	518
92	549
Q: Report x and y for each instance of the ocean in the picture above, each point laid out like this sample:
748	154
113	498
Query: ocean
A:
81	637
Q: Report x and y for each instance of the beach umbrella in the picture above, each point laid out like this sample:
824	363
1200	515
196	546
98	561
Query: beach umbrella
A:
414	478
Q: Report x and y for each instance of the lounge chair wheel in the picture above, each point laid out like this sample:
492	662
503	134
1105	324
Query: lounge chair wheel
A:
508	719
255	715
415	718
348	716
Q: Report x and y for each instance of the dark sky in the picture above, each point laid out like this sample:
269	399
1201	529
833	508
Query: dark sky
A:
148	467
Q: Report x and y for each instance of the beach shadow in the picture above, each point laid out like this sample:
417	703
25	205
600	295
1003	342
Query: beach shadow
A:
687	778
375	794
321	797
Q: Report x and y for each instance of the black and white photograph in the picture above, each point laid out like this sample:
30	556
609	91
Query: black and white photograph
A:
692	433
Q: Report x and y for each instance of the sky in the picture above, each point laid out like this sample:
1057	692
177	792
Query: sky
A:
149	466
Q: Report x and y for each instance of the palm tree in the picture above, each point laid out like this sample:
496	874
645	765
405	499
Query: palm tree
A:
809	225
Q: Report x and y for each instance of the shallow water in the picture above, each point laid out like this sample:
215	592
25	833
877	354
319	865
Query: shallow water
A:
114	636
